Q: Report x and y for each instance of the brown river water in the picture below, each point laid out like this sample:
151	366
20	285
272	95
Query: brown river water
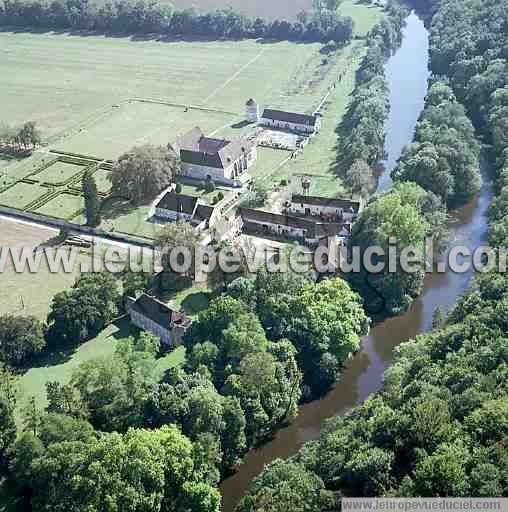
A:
407	73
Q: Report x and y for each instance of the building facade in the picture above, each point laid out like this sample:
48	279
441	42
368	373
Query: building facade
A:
328	209
306	231
223	161
292	121
149	314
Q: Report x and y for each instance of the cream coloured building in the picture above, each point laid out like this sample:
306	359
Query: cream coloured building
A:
223	161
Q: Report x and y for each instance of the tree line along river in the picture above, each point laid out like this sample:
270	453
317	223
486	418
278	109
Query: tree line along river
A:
407	74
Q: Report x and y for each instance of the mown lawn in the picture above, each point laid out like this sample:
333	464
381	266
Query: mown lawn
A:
136	123
63	206
319	158
102	180
58	173
60	368
21	195
138	222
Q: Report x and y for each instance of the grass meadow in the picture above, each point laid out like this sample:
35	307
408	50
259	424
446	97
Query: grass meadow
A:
99	96
60	368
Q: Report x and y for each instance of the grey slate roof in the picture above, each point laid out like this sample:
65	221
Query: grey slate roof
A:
313	229
155	310
289	117
179	203
197	149
338	202
203	212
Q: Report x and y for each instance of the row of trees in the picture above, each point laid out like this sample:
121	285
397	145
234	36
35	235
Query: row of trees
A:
152	17
362	131
407	214
27	136
444	157
440	425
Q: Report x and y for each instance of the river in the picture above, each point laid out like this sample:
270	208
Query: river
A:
407	74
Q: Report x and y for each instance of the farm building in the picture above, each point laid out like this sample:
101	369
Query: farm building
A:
301	123
154	316
306	231
174	207
328	209
220	160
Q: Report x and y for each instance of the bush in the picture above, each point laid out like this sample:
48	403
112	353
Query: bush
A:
209	186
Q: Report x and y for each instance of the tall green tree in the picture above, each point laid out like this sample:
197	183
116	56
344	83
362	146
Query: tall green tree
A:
21	339
92	201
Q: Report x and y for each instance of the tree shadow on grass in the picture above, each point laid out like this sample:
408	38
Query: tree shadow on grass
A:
114	207
63	355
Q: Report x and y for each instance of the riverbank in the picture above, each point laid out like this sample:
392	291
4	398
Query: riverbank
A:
407	73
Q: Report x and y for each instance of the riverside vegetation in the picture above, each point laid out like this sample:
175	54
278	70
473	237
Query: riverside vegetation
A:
439	427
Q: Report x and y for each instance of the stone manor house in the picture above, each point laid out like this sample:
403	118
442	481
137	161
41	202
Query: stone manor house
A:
220	160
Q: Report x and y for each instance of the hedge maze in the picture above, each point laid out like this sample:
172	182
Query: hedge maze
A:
54	187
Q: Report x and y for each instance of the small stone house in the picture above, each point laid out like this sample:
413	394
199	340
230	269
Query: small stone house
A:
292	121
152	315
223	161
180	207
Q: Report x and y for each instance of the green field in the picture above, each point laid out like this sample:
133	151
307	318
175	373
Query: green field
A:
58	173
266	168
282	9
80	90
135	123
64	206
21	195
33	382
102	181
19	169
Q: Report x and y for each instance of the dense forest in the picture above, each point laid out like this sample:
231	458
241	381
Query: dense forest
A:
440	425
141	17
122	433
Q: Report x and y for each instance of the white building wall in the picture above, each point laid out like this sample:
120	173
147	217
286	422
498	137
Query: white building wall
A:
172	215
290	126
149	325
301	209
200	172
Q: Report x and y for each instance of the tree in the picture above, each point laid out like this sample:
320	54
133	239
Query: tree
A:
333	5
360	178
178	235
7	424
29	135
21	338
115	389
285	485
395	216
83	311
92	201
327	317
143	172
141	470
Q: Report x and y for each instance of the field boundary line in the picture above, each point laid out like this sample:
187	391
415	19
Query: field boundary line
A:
181	105
234	76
